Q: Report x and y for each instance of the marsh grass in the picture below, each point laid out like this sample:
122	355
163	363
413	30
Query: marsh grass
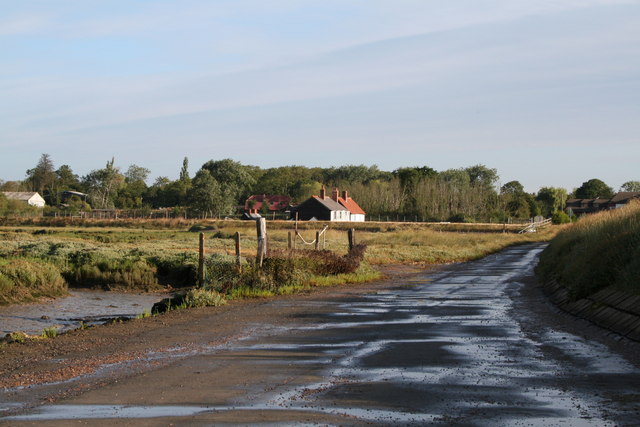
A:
144	255
27	279
600	250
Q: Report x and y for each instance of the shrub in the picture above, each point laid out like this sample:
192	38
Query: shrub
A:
203	298
560	217
28	279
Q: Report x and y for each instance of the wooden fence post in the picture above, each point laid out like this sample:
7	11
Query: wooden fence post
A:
237	239
352	238
201	261
289	240
317	240
261	229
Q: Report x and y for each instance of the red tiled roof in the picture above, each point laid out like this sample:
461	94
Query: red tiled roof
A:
276	202
351	205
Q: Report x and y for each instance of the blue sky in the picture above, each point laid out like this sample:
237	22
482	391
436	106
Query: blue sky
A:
547	92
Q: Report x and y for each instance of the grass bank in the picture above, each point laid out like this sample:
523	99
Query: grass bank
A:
598	251
142	255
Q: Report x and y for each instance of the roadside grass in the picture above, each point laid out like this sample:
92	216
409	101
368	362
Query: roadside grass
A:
598	251
147	255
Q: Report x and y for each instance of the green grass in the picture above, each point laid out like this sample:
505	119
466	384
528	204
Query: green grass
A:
145	255
51	332
598	251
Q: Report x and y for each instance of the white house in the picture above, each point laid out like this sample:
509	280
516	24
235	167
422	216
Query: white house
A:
30	198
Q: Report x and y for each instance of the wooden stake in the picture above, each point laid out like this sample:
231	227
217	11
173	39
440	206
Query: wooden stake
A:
236	237
289	240
351	234
201	261
261	229
317	240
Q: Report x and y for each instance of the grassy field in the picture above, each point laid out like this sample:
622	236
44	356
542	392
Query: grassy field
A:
598	251
146	255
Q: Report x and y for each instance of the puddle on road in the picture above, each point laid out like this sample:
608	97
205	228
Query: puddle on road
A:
88	306
494	375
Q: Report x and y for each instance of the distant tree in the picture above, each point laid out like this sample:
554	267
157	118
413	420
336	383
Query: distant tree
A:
135	186
630	186
349	174
517	202
67	180
551	199
42	178
235	179
13	186
136	173
512	187
103	185
594	188
482	176
205	196
184	172
410	179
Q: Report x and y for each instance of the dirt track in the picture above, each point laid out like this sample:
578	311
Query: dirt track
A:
468	344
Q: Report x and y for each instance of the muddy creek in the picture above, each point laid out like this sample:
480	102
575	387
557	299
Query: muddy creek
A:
87	306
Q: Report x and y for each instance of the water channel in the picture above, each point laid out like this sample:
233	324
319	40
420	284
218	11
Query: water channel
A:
87	306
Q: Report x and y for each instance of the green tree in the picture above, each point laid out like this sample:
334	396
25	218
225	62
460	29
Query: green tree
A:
184	172
135	186
235	180
551	199
42	178
630	186
205	196
481	176
67	180
517	202
512	187
594	188
103	185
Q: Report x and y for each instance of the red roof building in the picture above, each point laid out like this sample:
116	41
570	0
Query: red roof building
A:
276	203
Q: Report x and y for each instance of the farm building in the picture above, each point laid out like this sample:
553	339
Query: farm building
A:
275	203
355	211
323	208
30	198
622	198
585	206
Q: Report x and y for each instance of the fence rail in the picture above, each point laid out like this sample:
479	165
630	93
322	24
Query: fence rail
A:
535	225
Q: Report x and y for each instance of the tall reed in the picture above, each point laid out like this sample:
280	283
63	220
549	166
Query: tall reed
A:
600	250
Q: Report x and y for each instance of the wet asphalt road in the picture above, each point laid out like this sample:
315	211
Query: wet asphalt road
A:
453	346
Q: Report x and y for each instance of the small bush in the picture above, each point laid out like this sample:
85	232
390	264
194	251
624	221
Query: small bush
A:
51	332
203	298
27	279
560	217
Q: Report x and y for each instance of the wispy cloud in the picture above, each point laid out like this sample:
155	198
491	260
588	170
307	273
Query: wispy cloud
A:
422	76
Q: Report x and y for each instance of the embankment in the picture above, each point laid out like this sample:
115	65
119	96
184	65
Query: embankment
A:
592	270
609	308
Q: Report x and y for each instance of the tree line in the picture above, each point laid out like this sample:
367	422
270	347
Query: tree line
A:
220	186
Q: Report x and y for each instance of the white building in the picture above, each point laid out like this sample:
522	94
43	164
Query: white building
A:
30	198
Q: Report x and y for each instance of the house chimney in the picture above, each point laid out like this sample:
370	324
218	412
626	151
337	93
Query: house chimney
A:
344	194
323	193
335	194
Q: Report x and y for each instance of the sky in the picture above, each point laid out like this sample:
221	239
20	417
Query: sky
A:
546	91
